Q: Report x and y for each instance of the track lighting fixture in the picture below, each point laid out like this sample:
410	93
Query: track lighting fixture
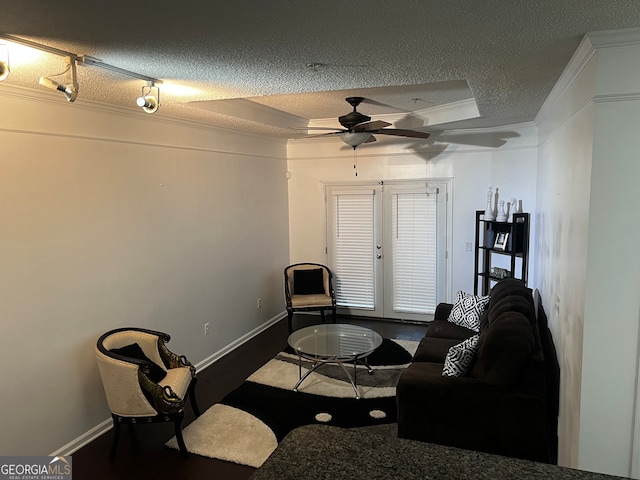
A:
149	103
4	61
69	89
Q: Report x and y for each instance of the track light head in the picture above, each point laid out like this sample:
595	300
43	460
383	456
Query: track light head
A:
4	70
4	61
149	103
69	90
47	82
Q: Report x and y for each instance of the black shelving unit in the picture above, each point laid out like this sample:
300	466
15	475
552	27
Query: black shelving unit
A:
516	248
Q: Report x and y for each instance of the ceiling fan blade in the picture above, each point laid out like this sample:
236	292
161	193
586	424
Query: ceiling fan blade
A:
402	132
371	139
371	125
317	128
319	135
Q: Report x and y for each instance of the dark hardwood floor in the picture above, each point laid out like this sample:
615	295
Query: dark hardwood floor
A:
141	453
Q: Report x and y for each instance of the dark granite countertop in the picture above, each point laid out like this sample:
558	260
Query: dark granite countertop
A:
317	452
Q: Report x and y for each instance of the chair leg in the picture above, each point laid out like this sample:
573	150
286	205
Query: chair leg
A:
322	316
178	426
290	320
116	437
192	397
333	314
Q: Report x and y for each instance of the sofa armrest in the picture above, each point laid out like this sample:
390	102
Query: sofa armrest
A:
442	311
466	413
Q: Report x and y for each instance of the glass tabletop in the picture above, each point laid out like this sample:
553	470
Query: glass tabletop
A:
334	341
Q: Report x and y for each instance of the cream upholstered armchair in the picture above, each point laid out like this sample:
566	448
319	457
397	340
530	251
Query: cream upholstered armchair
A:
309	287
143	381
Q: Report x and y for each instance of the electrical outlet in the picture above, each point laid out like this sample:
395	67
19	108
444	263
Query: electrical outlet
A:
259	303
469	246
206	328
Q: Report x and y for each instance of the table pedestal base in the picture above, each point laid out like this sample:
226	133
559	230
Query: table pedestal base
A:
317	363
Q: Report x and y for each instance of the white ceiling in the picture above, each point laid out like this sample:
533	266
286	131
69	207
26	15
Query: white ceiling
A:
299	59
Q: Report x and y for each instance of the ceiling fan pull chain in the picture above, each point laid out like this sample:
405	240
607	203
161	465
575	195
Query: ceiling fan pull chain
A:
355	160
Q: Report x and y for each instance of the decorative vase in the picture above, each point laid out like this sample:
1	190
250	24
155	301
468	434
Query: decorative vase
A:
488	212
489	237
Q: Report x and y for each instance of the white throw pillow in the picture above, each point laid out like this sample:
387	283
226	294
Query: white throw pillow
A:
467	310
460	357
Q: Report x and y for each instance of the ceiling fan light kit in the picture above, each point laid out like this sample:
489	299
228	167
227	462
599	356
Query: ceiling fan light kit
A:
355	139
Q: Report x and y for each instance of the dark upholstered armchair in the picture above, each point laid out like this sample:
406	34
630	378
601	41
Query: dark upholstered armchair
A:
143	381
309	287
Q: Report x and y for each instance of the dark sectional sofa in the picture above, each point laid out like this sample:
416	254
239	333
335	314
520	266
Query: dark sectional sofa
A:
507	403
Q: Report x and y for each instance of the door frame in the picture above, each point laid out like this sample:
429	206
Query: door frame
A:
445	183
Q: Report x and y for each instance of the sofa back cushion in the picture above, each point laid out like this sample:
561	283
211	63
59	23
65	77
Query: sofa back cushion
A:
446	329
508	294
505	348
509	287
513	303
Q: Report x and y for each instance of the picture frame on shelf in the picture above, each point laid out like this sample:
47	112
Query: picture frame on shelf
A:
501	241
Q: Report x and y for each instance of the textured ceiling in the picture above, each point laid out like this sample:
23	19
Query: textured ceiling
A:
302	58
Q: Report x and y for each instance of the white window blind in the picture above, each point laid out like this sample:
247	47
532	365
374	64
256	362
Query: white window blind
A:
414	242
353	248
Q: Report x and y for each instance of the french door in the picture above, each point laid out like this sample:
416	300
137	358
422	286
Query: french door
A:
387	248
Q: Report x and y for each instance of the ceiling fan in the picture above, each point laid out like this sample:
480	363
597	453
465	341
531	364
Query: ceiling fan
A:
359	129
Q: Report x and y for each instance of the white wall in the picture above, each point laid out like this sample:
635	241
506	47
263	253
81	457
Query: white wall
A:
509	163
587	265
562	216
111	218
613	266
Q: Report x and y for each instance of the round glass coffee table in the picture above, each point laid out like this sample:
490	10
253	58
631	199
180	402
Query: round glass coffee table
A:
334	343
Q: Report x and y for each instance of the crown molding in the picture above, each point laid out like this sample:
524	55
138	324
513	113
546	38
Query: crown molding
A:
46	97
617	97
580	59
614	38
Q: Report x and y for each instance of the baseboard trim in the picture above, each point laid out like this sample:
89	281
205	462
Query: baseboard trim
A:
240	341
84	439
106	425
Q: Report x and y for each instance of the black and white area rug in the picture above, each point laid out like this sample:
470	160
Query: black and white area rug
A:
248	424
